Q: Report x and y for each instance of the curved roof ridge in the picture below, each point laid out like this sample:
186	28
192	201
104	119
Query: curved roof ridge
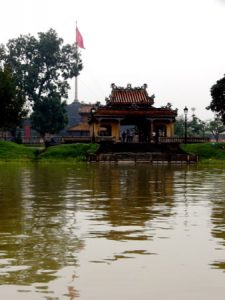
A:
130	95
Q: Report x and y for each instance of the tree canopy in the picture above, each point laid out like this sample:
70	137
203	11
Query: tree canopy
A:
11	102
49	115
195	127
217	104
41	65
41	68
216	127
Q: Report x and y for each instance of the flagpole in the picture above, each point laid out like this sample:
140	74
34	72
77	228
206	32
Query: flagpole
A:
76	85
76	98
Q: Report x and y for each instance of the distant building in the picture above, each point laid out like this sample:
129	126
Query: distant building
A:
81	128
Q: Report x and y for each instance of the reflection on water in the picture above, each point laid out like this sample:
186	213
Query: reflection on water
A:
106	232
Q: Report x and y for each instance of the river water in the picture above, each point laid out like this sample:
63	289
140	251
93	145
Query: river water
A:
112	232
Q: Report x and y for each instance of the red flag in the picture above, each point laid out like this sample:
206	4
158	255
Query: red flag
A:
79	39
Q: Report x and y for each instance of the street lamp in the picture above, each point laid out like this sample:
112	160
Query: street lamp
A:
185	124
93	111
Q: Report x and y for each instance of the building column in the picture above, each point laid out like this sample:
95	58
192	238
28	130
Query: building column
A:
170	129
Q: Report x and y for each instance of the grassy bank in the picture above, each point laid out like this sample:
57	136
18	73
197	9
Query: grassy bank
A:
13	152
207	152
78	152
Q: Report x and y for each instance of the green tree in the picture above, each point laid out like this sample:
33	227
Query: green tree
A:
217	104
216	127
41	68
195	126
179	127
49	115
41	65
11	102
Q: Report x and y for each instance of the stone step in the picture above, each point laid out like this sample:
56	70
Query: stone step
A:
144	157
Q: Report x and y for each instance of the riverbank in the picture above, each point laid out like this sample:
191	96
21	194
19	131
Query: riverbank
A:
206	152
9	151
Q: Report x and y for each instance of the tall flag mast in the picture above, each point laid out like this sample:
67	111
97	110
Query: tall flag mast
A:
79	44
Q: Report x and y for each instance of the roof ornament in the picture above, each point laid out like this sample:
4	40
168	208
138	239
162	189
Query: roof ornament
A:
145	86
168	105
129	86
113	86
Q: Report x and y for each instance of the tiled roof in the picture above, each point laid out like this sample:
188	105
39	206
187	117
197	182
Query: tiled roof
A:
129	96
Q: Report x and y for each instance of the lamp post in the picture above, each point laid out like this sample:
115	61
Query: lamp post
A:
185	124
93	111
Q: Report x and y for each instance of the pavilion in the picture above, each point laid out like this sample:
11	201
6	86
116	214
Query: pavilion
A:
129	111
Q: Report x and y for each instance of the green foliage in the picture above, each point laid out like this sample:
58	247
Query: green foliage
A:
11	151
49	115
204	151
195	127
11	103
179	127
217	104
71	151
41	65
216	127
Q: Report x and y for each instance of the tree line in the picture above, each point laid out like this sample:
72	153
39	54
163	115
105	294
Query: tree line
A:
34	73
199	128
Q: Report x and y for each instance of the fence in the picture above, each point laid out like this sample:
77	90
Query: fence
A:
181	140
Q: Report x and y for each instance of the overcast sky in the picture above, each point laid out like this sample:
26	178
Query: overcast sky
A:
177	47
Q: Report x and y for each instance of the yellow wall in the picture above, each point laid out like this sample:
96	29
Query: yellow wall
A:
169	129
115	128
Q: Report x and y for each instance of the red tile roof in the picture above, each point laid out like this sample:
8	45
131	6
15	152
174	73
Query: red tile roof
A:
129	95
